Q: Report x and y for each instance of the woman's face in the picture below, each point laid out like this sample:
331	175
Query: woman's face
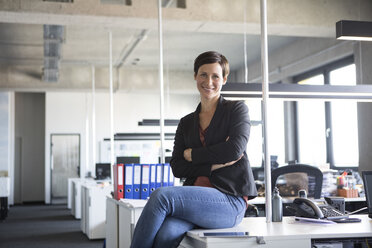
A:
209	80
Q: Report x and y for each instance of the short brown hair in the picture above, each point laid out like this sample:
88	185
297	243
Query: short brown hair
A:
211	57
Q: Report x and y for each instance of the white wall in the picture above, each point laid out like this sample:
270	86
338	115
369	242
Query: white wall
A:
66	112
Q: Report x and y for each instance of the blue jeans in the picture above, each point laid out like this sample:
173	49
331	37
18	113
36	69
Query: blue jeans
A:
172	211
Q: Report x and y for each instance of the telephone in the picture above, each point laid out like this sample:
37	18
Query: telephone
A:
319	209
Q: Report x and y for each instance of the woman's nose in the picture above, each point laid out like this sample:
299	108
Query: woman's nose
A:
209	80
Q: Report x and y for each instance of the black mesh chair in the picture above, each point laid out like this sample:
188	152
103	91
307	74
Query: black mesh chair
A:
297	177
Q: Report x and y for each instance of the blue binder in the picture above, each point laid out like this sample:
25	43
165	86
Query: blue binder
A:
152	185
165	174
145	181
137	181
128	181
159	175
171	177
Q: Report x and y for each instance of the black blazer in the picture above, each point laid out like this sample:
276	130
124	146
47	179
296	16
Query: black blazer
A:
231	120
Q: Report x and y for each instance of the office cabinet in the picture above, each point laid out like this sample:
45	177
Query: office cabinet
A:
112	222
129	212
93	214
70	192
76	198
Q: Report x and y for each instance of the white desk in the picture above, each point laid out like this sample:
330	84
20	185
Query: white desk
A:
289	233
261	200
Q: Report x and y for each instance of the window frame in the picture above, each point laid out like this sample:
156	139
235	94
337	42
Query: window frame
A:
325	70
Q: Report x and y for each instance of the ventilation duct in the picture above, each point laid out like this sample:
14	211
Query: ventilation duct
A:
53	38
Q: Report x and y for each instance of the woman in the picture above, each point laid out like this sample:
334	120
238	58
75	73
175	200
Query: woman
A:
209	151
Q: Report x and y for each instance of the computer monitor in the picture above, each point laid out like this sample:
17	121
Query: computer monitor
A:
166	158
367	180
103	171
127	160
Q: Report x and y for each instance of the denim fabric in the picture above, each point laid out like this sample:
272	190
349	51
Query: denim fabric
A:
172	211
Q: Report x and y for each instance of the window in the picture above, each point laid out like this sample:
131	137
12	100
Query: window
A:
311	127
328	131
344	122
275	131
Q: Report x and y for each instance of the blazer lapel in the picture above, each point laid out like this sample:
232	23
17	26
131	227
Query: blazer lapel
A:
196	135
212	128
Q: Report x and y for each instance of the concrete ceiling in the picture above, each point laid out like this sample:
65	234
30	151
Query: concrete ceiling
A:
22	44
203	25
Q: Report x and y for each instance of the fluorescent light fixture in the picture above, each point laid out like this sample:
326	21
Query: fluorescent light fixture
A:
298	91
354	30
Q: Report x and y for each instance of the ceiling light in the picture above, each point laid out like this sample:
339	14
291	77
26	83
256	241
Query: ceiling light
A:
354	30
298	91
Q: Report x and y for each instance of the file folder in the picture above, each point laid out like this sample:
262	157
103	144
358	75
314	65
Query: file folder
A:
171	177
152	185
118	181
145	180
159	175
137	181
165	174
128	181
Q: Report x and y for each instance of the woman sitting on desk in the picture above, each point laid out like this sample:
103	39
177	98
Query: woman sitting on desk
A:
209	151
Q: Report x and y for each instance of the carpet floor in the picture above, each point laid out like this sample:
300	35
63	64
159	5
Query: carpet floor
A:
41	226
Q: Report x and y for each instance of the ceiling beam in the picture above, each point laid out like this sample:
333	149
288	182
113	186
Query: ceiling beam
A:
314	18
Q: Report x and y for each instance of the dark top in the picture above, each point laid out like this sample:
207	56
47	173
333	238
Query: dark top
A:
229	120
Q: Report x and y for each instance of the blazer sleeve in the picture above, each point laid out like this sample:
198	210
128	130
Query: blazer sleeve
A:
181	167
234	147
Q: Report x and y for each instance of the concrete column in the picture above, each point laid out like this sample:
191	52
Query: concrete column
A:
363	62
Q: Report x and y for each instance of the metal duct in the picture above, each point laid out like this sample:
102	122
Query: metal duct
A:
53	38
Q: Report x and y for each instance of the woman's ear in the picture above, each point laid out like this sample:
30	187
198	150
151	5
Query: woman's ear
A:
224	80
195	76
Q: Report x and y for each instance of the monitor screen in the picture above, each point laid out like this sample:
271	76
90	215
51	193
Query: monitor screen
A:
103	171
167	159
367	180
127	160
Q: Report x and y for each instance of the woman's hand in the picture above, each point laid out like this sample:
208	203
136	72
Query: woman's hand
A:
187	154
219	166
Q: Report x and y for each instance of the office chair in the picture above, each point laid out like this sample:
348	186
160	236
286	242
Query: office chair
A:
314	179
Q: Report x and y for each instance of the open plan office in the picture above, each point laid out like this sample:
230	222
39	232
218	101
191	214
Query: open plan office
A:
92	93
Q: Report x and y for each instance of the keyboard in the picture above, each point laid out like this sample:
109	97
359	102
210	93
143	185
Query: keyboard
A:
332	213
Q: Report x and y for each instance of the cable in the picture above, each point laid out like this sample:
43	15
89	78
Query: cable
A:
356	211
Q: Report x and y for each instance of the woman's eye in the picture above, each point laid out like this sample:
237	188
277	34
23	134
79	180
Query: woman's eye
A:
216	77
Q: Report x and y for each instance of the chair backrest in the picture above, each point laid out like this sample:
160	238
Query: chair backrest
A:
302	168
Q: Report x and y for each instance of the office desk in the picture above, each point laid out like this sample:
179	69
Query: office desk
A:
351	204
289	233
261	200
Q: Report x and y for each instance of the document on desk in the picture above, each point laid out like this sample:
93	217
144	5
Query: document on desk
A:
219	234
313	220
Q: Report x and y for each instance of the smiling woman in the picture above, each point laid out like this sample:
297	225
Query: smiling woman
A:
210	152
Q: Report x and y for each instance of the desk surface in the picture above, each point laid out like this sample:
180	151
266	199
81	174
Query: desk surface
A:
288	231
261	200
